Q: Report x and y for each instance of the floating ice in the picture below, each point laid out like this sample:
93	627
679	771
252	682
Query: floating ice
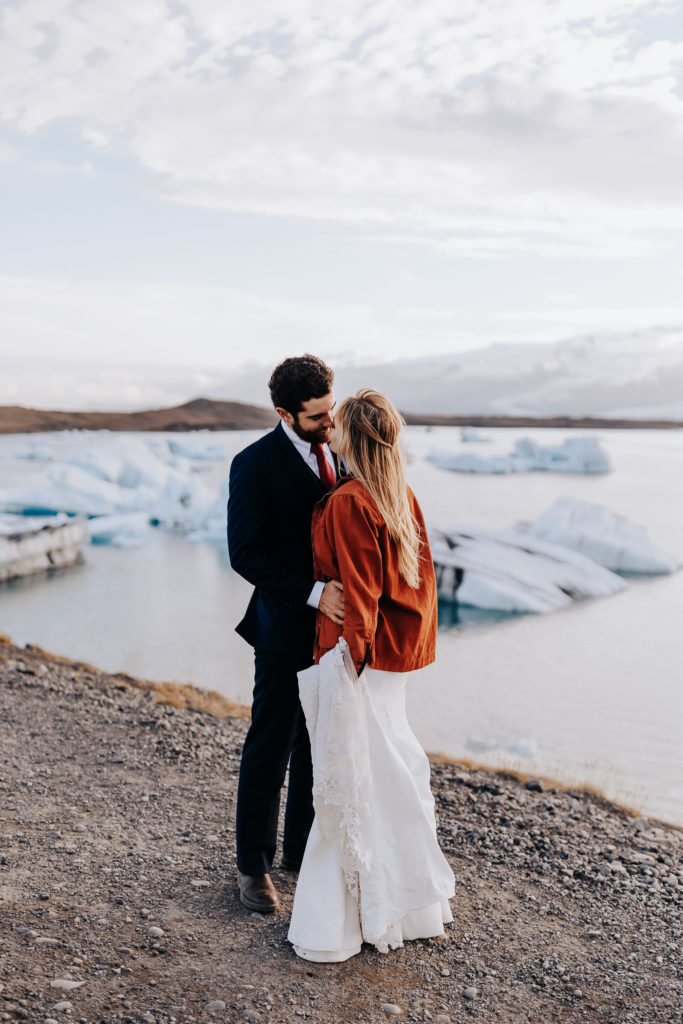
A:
584	455
481	744
611	540
30	545
125	530
517	746
198	446
522	747
471	435
34	450
572	552
114	476
509	572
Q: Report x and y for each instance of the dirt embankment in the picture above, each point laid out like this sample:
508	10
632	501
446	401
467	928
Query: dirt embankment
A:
118	903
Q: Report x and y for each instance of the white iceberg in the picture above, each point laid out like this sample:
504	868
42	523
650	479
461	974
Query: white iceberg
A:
471	435
127	461
509	572
34	450
572	552
584	455
468	462
118	476
574	455
129	529
610	539
198	446
73	490
31	544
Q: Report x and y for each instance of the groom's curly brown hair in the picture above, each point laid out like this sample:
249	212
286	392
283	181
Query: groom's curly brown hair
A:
298	379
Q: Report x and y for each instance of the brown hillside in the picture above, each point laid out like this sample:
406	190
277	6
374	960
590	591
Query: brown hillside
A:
199	414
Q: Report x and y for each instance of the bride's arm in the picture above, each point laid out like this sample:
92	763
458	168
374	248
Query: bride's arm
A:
354	529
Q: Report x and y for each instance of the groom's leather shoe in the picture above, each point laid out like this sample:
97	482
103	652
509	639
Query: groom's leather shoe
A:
257	892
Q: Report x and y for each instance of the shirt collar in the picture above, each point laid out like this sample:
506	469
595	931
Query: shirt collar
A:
302	446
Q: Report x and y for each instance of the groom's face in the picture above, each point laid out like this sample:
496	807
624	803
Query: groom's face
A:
315	420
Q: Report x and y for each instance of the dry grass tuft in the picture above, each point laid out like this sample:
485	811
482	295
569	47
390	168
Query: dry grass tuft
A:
176	695
190	698
512	773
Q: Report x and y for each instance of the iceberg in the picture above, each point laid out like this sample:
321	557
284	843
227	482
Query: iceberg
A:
198	446
35	451
574	455
128	462
126	530
116	477
510	572
468	462
471	435
28	546
73	490
584	455
612	540
574	551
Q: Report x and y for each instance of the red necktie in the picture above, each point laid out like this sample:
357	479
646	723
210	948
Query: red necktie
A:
327	474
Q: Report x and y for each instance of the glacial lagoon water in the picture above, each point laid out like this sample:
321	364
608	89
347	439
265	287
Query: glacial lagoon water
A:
592	695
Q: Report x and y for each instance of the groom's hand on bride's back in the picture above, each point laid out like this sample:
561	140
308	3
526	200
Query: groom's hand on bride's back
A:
332	601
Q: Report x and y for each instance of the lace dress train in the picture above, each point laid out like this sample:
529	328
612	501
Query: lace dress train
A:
373	870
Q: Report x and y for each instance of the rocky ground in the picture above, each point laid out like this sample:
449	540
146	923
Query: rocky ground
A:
117	899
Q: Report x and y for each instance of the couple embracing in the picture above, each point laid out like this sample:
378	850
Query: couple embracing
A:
322	524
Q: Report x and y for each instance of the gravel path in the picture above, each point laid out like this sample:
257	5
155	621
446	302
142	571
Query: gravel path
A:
117	899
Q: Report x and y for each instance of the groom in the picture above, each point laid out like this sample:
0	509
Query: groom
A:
274	485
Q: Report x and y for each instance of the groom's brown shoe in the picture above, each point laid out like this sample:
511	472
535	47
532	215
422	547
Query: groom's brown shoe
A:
257	892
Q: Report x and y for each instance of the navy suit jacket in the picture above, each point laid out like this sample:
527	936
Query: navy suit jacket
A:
272	496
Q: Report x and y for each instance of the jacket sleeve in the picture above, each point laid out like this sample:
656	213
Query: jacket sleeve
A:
355	539
250	512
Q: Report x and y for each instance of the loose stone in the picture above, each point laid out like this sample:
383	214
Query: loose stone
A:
215	1004
155	932
391	1009
471	992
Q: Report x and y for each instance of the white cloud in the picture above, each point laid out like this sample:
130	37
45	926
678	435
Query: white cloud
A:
486	129
164	323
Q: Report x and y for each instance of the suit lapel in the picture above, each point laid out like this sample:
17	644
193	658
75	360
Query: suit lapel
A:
300	470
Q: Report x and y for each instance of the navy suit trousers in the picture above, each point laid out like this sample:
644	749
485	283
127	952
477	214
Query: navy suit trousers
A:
276	738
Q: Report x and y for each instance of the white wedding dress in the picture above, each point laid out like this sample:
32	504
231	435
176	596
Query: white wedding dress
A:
373	870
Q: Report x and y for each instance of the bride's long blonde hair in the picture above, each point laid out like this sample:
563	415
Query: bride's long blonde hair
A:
368	428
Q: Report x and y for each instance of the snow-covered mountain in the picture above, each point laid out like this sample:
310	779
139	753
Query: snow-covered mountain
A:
634	375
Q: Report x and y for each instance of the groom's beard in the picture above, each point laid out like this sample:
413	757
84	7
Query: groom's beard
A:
322	436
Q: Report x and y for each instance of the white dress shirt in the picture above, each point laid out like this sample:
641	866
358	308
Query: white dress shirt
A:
304	450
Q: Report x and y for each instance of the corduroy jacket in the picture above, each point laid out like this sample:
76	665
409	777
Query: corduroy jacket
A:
387	624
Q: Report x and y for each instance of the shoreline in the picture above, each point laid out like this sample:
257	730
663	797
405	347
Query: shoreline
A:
119	904
188	697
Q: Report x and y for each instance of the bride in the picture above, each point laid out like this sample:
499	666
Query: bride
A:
372	870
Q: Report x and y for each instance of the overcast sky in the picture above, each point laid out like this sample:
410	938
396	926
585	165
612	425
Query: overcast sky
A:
207	183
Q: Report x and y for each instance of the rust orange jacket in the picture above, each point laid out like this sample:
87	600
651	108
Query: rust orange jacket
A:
386	621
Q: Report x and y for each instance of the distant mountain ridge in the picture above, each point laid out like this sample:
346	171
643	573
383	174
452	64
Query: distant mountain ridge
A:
630	379
636	375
